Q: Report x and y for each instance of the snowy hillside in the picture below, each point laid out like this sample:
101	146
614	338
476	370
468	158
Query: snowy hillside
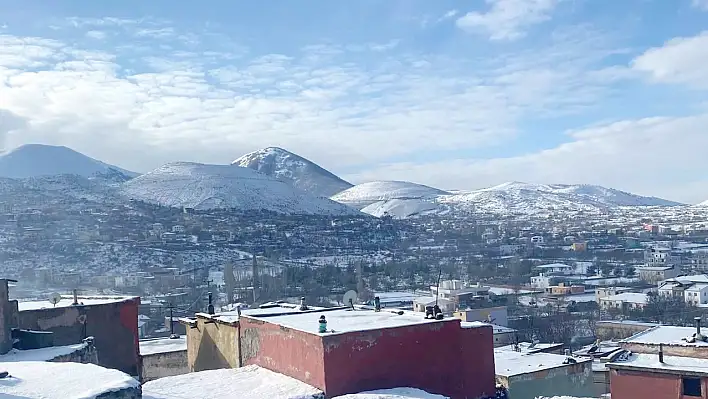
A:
398	199
295	170
33	160
402	199
525	198
200	186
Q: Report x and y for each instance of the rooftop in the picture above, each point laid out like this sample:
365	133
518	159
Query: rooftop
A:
631	297
68	300
40	355
667	335
347	320
47	380
396	393
497	329
163	345
281	308
250	382
528	347
509	363
675	364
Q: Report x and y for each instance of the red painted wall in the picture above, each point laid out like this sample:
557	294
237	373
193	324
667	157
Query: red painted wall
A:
291	352
638	385
439	358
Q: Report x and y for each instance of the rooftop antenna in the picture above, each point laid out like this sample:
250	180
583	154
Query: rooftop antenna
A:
350	297
437	286
55	298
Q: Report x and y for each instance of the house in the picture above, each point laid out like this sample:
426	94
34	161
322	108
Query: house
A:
694	289
537	240
696	294
503	336
661	256
533	375
603	292
462	296
354	352
654	274
624	301
562	289
556	269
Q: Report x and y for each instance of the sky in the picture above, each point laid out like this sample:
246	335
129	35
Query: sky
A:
453	94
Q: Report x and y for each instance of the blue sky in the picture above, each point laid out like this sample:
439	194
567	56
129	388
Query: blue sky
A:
454	94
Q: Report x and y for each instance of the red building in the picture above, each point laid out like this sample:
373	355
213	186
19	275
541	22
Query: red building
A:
364	350
645	376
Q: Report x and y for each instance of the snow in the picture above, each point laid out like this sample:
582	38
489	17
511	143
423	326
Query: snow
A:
347	320
401	208
396	393
631	297
667	335
33	160
282	308
510	363
671	363
40	355
294	170
68	300
497	329
205	187
47	380
400	198
163	345
250	382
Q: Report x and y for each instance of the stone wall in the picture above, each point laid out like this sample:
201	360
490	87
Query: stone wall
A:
86	354
616	330
159	365
127	393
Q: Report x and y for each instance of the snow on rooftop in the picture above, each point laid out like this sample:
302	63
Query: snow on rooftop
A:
47	380
497	328
163	345
396	393
671	363
250	382
68	300
631	297
528	347
40	355
281	308
347	320
510	363
667	335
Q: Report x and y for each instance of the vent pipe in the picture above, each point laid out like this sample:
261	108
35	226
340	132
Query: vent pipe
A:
661	353
377	304
303	305
76	297
210	308
697	320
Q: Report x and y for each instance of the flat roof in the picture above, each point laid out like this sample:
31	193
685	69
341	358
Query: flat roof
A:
250	382
68	300
528	347
496	328
510	363
40	355
163	345
631	297
672	364
232	316
395	393
347	320
667	335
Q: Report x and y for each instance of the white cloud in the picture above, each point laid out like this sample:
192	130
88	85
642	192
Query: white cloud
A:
701	4
96	34
156	33
651	156
508	19
680	60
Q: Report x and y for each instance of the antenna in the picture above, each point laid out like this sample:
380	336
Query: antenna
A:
350	297
55	298
437	287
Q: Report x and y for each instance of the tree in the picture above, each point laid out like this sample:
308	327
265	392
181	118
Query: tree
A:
630	271
605	269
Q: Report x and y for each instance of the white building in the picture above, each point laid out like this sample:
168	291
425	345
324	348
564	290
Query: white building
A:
697	294
627	300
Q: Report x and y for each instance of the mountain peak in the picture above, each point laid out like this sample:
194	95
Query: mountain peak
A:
35	160
293	169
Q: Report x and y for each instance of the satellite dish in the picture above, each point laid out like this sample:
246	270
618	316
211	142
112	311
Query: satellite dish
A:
55	298
350	298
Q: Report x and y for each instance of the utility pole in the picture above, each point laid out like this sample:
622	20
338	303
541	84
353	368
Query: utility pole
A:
255	278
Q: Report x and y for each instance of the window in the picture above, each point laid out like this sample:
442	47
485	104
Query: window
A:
692	387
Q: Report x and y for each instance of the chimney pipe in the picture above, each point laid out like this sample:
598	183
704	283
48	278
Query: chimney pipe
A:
661	353
210	308
697	320
76	298
377	304
303	305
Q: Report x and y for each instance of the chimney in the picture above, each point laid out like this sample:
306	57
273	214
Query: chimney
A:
76	298
210	308
377	304
303	305
661	353
697	320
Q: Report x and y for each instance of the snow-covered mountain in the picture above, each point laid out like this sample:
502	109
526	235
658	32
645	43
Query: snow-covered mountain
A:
203	187
399	199
34	160
293	169
379	198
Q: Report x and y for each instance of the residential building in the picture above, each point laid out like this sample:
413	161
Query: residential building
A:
654	274
661	256
534	375
563	289
644	376
603	292
495	315
624	301
694	289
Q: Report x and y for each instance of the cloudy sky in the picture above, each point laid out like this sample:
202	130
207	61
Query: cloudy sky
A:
454	94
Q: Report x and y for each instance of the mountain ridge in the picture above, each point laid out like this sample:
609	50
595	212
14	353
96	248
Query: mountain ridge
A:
293	169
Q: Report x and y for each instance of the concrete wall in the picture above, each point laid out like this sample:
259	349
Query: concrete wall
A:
212	345
626	384
700	352
572	380
87	354
617	330
159	365
6	318
291	352
113	325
